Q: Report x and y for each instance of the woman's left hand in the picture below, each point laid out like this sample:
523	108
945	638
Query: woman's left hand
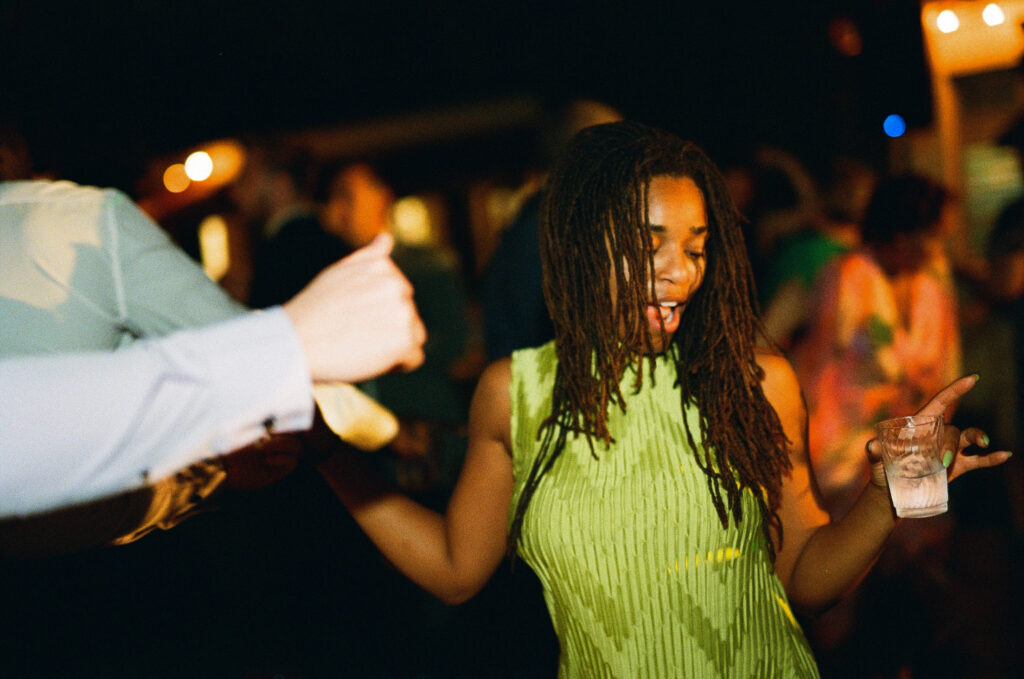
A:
956	441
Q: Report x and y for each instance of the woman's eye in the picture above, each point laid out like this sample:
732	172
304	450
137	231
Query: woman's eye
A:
695	254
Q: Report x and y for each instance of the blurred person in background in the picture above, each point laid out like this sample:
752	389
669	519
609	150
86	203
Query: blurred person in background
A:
884	331
274	193
992	318
777	197
357	205
787	284
1002	288
1006	290
355	202
515	316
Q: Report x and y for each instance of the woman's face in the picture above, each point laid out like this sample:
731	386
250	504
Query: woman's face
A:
678	221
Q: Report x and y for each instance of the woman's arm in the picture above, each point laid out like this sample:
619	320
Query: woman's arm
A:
451	555
819	561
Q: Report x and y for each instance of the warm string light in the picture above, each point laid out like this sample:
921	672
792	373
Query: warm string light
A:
176	179
993	14
199	166
947	21
206	165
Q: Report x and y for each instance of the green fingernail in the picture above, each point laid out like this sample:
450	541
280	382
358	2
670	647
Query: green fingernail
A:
984	440
947	458
977	377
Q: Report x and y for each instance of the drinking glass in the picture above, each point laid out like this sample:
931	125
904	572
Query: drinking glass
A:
912	455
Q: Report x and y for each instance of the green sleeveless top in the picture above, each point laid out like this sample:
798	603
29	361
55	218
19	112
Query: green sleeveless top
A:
639	576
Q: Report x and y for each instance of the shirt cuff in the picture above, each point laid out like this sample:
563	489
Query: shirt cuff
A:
259	378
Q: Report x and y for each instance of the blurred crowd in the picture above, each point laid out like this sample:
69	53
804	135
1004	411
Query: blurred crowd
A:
864	282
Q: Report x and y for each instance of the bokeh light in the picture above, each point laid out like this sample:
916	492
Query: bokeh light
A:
199	166
845	37
176	179
411	221
214	250
993	14
947	21
894	125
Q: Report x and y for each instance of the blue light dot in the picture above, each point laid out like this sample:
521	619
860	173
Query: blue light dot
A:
894	125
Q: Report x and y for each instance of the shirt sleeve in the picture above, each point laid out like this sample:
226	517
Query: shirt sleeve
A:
160	289
77	427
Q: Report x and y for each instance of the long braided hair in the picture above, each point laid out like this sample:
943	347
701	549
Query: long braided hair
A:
595	244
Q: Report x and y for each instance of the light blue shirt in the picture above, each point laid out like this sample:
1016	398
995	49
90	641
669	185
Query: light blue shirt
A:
85	269
78	427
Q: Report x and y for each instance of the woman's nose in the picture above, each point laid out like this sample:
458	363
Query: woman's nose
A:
675	266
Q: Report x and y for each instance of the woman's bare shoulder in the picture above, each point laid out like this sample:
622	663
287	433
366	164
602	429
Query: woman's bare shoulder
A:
782	389
497	374
779	376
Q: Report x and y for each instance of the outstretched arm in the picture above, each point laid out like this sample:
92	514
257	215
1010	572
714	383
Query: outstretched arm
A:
74	428
451	555
819	561
78	427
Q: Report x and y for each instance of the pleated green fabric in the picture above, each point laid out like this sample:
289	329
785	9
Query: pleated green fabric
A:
639	576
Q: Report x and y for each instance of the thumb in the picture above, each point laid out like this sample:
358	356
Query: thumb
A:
874	451
381	245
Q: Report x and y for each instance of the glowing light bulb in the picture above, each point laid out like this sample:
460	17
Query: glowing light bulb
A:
199	166
947	21
993	14
894	126
175	178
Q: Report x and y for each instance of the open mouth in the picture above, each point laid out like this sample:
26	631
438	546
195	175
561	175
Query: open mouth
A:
664	314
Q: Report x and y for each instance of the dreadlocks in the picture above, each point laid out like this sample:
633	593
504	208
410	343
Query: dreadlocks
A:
595	244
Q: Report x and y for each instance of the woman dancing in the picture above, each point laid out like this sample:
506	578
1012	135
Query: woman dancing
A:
650	463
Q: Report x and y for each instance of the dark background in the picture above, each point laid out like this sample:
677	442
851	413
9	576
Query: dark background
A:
252	590
108	84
